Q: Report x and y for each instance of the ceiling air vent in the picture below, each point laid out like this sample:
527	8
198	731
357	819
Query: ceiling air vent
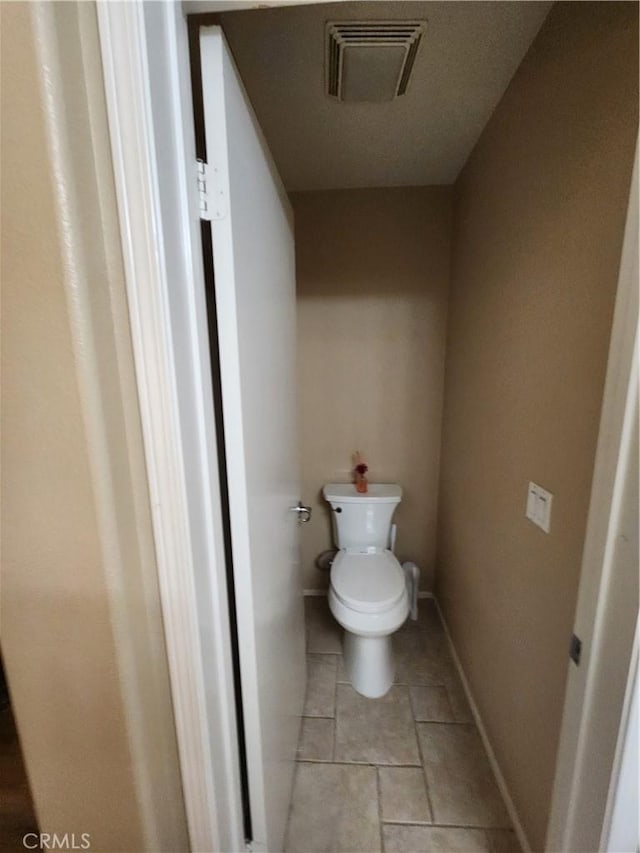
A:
371	60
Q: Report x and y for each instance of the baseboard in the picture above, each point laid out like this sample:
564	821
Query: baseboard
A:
493	761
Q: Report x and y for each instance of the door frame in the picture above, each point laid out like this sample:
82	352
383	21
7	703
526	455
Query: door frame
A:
621	815
151	133
148	100
587	722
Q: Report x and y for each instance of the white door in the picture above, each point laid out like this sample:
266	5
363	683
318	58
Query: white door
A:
254	268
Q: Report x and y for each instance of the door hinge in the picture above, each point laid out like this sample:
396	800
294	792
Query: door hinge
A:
213	203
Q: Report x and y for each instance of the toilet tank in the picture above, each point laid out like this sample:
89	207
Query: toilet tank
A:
360	521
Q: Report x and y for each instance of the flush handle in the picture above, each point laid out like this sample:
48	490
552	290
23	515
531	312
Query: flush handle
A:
303	512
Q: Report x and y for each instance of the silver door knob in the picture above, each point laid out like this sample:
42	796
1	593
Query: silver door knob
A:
303	512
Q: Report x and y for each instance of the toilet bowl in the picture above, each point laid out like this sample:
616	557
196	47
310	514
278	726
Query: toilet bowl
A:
367	593
368	598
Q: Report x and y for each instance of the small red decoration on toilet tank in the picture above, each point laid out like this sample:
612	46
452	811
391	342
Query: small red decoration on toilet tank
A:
360	469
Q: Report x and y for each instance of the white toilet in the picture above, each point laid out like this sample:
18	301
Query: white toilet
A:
367	595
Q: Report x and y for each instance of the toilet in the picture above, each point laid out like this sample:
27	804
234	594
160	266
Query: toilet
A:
367	593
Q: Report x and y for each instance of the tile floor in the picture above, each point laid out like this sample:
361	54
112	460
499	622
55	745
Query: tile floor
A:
406	773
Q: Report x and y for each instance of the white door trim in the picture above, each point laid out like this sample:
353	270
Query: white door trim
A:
164	279
582	722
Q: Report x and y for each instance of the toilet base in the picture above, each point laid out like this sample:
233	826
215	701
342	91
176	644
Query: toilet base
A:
369	663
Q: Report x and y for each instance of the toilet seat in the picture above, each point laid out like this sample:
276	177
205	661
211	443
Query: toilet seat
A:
368	583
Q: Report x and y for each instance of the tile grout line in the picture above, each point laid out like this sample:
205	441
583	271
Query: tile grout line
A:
416	724
422	767
421	754
447	691
335	713
424	771
288	822
425	825
380	820
489	841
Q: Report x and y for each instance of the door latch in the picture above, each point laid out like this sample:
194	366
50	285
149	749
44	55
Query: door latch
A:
575	649
304	512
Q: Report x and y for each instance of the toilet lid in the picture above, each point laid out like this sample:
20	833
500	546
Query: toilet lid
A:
367	582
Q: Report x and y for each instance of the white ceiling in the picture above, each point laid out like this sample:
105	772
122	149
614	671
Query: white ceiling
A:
468	56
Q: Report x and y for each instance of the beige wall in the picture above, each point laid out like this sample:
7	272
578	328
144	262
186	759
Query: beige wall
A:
81	625
539	219
373	273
